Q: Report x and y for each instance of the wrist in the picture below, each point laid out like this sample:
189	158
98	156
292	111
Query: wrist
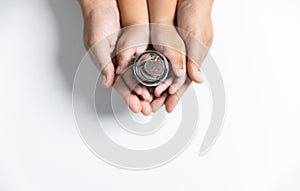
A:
163	21
161	28
136	22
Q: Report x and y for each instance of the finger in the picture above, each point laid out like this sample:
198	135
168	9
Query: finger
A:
131	99
157	103
194	72
172	100
151	91
134	103
196	53
151	97
138	90
146	94
134	85
146	108
177	60
178	82
143	92
108	75
163	86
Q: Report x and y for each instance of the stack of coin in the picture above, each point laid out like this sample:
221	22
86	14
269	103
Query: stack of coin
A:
150	68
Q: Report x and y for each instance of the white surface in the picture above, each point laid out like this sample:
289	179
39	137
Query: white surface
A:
256	47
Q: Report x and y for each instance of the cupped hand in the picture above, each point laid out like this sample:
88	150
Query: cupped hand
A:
134	101
101	24
132	41
195	27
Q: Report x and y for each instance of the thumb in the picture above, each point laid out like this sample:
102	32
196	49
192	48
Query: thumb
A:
196	54
108	75
100	55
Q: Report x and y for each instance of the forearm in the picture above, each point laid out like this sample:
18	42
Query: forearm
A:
162	11
198	21
133	12
89	5
202	7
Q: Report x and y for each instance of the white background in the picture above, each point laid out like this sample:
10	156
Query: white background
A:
256	47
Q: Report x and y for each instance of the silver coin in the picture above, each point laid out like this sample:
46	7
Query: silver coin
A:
150	68
153	68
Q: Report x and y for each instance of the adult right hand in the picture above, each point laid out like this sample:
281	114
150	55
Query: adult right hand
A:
101	26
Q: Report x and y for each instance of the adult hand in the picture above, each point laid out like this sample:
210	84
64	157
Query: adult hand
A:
101	24
194	18
195	27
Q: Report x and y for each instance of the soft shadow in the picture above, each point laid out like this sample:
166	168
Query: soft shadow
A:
71	51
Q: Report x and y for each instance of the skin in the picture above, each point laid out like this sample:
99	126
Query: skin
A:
102	18
194	16
166	40
162	12
133	41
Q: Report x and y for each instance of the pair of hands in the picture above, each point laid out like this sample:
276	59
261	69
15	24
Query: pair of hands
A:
102	22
